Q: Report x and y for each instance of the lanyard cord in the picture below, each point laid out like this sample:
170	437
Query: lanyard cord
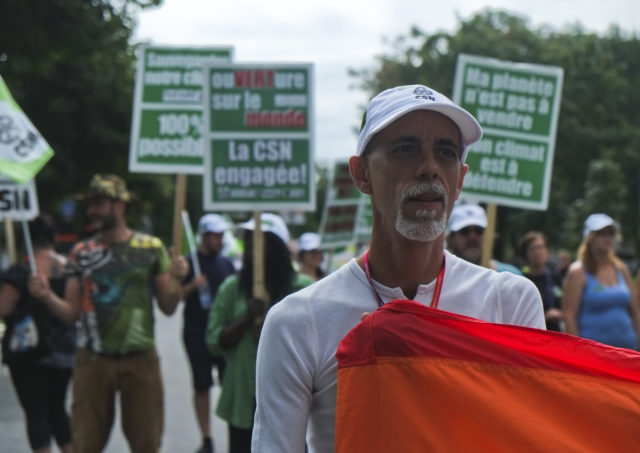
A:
436	291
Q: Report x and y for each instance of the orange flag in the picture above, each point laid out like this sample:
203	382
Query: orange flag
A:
416	379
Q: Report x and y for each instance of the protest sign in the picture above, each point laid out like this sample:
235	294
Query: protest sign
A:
18	201
517	105
259	144
166	132
346	217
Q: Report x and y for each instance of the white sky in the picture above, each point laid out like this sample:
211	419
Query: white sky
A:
337	35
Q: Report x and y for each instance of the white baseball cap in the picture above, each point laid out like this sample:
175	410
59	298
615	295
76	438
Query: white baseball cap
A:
309	241
269	223
393	103
212	223
596	222
464	215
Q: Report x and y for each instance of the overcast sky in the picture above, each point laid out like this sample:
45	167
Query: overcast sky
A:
336	35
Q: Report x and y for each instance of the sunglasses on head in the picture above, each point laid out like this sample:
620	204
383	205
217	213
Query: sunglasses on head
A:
466	231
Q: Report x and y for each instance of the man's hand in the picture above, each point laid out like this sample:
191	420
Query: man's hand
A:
179	268
199	280
256	311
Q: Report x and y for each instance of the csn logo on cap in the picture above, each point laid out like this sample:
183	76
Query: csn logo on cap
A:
424	93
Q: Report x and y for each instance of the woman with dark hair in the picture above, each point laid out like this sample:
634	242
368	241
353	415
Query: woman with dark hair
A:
38	347
599	298
235	321
534	249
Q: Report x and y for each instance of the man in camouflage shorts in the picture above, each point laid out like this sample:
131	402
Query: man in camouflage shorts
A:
116	274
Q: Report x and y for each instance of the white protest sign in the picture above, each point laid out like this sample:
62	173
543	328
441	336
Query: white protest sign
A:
18	201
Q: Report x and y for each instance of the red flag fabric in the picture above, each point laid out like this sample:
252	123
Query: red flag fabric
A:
416	379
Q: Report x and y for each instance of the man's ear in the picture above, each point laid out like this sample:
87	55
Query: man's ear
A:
360	174
463	171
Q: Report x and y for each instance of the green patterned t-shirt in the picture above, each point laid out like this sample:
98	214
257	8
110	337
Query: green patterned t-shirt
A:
116	307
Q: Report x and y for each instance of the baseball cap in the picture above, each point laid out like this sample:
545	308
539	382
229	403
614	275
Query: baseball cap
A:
393	103
212	223
269	223
596	222
106	185
309	241
464	215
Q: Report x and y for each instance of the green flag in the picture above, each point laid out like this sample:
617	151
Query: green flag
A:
23	151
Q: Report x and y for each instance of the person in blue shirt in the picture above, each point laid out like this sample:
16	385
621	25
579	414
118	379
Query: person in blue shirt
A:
599	299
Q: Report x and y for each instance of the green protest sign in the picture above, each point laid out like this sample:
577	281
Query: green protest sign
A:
339	224
517	105
365	220
260	171
342	188
166	132
259	137
347	213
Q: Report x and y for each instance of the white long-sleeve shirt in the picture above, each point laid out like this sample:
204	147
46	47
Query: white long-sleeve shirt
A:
296	371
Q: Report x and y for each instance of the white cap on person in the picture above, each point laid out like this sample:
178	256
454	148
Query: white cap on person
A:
464	215
212	223
309	241
269	223
393	103
596	222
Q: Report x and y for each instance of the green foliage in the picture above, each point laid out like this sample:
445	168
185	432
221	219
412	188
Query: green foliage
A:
602	193
597	164
70	66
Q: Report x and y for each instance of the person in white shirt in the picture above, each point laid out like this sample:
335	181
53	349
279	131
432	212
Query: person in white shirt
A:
410	161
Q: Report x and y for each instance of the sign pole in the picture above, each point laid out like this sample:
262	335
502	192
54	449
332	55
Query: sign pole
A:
489	233
178	207
259	286
11	240
29	245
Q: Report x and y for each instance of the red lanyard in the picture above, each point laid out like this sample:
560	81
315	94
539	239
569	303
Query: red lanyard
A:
436	292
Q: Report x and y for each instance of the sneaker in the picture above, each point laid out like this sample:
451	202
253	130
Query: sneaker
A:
206	448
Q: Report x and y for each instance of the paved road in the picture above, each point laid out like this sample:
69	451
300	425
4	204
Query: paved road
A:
181	433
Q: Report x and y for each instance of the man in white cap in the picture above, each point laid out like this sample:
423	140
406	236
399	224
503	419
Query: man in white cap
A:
410	161
466	236
199	289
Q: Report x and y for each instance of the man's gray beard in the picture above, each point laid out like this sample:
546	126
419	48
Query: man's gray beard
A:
425	227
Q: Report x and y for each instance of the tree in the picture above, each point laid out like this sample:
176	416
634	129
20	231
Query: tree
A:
598	116
70	66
